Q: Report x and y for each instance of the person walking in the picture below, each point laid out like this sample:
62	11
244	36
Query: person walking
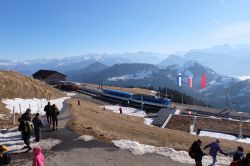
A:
55	113
26	128
238	154
38	159
196	153
48	110
37	125
214	149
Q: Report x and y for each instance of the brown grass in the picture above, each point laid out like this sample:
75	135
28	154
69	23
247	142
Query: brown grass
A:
16	85
104	125
182	123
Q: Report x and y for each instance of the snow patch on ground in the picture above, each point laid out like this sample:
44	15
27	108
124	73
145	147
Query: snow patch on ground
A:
180	156
126	110
36	105
130	111
14	141
177	112
70	94
148	121
223	136
86	138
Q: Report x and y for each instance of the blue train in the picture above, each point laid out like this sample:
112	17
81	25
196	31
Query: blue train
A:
117	94
137	98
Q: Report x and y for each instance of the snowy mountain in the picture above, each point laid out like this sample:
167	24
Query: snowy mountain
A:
225	59
76	63
147	75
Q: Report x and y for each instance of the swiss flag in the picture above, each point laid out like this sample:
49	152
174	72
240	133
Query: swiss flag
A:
203	81
190	82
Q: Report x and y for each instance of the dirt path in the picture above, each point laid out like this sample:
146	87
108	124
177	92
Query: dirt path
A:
72	151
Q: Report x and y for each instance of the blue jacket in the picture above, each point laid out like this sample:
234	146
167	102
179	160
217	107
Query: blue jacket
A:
214	149
37	123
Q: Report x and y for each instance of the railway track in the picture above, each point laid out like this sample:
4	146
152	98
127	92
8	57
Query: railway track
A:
98	95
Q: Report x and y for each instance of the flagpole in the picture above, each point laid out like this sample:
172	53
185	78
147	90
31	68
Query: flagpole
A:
194	96
182	94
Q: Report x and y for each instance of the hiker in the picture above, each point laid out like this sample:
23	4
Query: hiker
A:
196	153
38	159
238	154
37	124
214	149
4	156
48	111
120	109
55	113
246	161
26	128
26	116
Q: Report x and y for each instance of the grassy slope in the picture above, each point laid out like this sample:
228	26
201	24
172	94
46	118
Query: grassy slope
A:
90	119
16	85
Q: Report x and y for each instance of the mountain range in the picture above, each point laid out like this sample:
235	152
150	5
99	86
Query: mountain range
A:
224	59
221	64
73	63
222	91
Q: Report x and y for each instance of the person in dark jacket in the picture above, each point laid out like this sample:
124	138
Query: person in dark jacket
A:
48	110
196	152
25	117
238	154
25	121
214	149
246	161
54	113
37	125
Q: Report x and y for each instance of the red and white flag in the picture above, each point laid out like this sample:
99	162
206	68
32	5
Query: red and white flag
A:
190	81
203	81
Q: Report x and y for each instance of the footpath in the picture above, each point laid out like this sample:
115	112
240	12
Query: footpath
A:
65	148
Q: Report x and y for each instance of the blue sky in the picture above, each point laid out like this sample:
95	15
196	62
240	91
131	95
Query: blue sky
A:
32	29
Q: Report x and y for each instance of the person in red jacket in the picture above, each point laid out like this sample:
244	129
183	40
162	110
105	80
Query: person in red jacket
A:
38	159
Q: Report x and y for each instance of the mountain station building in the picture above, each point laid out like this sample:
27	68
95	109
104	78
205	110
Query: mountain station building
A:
49	76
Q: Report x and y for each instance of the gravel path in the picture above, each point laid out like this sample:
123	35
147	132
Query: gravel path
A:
72	151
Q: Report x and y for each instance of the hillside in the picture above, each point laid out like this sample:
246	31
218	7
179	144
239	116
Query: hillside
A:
153	77
16	85
93	121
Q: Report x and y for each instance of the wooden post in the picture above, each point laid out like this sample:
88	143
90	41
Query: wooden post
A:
38	109
14	116
240	134
41	103
20	109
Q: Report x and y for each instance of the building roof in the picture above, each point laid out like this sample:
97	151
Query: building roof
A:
43	74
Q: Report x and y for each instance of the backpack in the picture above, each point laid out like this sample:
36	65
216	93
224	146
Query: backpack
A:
191	152
28	127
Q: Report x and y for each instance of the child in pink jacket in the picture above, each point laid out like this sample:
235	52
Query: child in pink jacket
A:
38	159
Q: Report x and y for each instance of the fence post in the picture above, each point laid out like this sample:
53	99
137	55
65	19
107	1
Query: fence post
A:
20	109
14	116
38	109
